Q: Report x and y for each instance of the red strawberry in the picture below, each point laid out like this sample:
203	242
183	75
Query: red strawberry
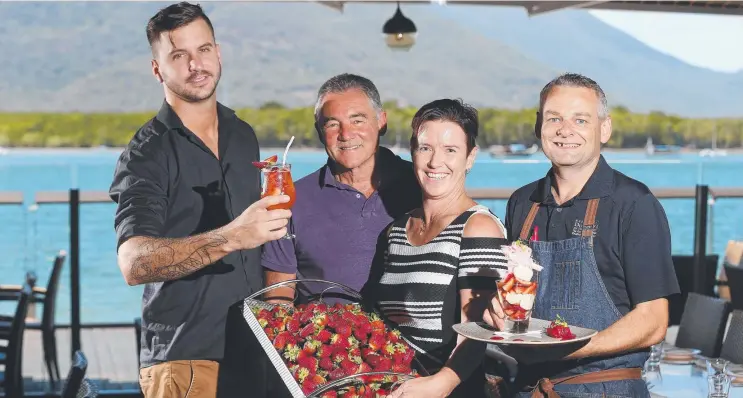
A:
373	359
292	325
300	373
269	161
320	319
321	308
360	334
324	351
308	362
326	364
305	316
329	394
324	336
307	330
281	339
407	356
384	365
308	386
377	325
400	368
339	342
339	356
389	349
349	366
343	329
310	346
376	342
337	374
270	333
393	336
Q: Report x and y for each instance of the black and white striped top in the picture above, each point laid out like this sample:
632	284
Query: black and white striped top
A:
419	290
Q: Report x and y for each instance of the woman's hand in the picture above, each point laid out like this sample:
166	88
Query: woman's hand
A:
494	315
439	385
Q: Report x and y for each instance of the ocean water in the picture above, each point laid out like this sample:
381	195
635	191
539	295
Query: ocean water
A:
30	235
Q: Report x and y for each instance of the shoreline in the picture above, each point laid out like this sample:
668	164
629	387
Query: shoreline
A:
20	150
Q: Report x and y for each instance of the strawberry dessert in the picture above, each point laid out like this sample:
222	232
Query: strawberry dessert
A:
518	290
559	329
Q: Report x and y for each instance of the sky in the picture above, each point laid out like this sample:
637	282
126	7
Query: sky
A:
710	41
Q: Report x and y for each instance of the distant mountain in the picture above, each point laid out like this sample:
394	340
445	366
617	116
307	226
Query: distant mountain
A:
93	56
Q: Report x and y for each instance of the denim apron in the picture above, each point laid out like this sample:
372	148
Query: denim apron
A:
570	286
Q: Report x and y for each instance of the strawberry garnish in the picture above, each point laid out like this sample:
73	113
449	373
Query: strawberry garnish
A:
267	162
559	329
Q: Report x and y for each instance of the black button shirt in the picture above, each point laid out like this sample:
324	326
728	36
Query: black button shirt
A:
633	241
167	183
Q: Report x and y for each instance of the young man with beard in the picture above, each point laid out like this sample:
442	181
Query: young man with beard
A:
189	223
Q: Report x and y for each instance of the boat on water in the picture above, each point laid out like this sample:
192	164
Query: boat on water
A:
512	150
652	149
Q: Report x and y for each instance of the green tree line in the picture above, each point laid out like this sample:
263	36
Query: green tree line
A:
274	124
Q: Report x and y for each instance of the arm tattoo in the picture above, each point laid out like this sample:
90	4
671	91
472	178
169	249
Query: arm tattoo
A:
162	260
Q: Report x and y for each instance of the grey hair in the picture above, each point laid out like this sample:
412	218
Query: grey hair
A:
576	80
345	82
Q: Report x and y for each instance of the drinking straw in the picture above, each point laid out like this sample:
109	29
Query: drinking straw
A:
283	160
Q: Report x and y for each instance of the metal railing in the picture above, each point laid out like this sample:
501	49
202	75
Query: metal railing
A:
74	198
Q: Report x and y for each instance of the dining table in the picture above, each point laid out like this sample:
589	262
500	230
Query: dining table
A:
682	381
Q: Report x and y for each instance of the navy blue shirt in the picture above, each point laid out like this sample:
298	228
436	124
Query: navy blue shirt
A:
632	243
337	228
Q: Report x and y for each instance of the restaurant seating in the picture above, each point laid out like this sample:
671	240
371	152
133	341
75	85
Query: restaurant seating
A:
732	348
76	385
12	330
684	267
712	313
735	284
47	296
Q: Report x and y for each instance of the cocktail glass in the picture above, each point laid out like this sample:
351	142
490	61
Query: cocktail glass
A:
517	294
277	180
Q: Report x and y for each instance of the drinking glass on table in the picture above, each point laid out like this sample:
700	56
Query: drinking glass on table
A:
718	385
716	366
656	354
277	180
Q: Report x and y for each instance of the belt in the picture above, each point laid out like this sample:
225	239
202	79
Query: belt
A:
545	387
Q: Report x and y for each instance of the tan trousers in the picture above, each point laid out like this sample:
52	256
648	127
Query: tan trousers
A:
180	379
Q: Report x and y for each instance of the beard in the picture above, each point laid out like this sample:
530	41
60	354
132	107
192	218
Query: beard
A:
191	94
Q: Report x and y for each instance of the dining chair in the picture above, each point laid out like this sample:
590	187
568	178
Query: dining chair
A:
704	310
12	330
732	348
47	296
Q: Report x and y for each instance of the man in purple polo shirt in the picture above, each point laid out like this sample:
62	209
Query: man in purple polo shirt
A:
342	208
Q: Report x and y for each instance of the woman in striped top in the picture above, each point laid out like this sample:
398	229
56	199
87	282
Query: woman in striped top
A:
442	261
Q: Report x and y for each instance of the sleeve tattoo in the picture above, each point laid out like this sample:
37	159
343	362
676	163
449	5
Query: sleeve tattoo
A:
163	259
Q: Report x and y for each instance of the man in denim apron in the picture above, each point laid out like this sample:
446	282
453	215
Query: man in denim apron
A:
604	242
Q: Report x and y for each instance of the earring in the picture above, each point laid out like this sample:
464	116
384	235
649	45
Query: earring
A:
466	171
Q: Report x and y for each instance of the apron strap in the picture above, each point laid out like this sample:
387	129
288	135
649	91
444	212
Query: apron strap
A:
526	228
590	218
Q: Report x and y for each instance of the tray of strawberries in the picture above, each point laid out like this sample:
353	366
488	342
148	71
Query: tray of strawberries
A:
539	332
332	348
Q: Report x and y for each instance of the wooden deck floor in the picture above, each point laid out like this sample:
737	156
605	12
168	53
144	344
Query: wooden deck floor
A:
111	353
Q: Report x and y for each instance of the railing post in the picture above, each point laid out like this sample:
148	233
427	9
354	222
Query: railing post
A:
700	239
75	269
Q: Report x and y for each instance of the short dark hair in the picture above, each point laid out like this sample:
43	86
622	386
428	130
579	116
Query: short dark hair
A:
576	80
447	110
173	17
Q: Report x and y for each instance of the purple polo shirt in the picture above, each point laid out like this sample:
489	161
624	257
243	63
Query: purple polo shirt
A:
337	228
